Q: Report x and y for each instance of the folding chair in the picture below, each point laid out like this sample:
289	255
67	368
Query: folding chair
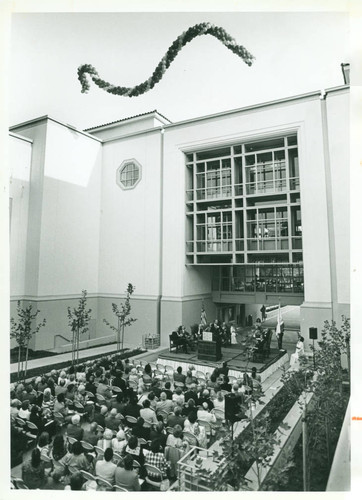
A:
87	446
206	425
71	440
88	476
133	385
103	482
136	465
163	414
154	471
131	420
190	438
79	407
19	483
99	451
20	422
219	414
121	488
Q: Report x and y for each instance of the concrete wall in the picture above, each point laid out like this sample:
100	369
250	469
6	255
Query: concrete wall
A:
19	187
130	228
86	232
338	135
69	240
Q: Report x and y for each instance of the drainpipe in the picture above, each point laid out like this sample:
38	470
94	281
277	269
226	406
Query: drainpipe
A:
160	260
329	197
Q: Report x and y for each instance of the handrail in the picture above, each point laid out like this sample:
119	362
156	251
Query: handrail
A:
61	336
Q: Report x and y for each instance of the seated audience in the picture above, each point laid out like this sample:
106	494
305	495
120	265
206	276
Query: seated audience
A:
140	430
167	390
178	376
219	402
74	429
75	458
159	433
33	471
106	468
126	477
119	442
164	404
157	459
148	414
204	414
24	411
106	440
175	418
91	435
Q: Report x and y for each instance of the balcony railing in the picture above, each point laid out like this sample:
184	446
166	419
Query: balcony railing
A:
287	278
266	187
294	183
265	244
251	188
209	246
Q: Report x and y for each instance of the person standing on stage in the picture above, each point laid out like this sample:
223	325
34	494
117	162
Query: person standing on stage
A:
225	334
263	312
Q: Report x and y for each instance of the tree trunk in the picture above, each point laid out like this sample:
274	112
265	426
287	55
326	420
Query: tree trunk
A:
305	451
77	345
328	441
119	335
122	335
73	346
26	358
19	351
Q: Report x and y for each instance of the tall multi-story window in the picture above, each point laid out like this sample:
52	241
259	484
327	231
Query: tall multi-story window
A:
243	209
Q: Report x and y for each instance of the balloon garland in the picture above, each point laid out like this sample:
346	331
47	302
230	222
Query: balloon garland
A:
174	49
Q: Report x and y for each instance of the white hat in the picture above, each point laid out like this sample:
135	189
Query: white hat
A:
121	435
75	419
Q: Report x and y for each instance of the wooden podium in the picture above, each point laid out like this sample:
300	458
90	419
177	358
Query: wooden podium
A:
209	350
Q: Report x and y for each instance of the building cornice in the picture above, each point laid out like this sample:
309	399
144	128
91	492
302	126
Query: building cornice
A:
37	121
278	102
21	137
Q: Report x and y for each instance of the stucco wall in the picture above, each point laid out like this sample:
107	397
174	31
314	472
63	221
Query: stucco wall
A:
19	186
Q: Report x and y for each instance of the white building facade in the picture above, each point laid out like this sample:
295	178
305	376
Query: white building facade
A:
229	211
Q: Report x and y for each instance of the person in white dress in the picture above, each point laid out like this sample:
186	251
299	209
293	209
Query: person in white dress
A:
299	351
233	334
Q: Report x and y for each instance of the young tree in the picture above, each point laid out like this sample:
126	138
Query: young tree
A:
122	312
255	445
78	321
325	416
22	331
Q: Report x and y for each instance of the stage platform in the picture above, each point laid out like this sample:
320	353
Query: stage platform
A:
236	358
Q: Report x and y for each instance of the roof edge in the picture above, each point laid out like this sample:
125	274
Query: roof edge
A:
47	117
131	119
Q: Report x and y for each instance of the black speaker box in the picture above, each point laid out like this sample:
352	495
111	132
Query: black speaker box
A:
233	410
313	333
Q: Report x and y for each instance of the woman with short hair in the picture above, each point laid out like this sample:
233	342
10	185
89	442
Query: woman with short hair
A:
126	477
33	471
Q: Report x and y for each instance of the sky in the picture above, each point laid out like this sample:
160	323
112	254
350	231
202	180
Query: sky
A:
295	53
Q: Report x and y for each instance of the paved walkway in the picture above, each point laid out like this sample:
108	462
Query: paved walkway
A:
85	353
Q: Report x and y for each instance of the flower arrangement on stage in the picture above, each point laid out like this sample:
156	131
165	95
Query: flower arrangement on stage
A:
188	35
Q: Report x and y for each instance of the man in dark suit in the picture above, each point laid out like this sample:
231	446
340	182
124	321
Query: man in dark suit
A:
176	418
191	393
167	390
179	376
178	340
